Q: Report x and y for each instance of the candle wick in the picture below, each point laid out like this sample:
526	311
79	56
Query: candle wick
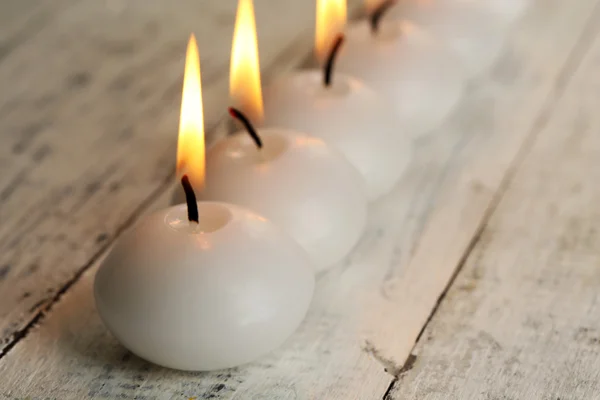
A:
190	199
328	71
378	13
237	114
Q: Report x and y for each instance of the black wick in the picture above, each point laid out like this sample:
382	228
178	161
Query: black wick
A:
190	199
378	13
237	114
330	60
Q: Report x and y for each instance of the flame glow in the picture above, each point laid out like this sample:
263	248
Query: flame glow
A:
190	145
244	79
331	20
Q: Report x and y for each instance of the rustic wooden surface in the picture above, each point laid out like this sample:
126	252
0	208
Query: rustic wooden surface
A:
522	320
88	120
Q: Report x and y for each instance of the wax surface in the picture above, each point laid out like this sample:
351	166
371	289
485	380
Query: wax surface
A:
419	77
204	297
298	182
471	29
508	10
347	115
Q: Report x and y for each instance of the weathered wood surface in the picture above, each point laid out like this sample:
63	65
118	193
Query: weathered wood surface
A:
368	311
522	320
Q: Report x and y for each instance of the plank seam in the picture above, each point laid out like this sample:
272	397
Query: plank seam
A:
22	333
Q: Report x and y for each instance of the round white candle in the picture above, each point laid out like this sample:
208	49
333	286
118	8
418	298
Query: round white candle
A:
471	30
347	115
296	181
204	296
507	10
421	78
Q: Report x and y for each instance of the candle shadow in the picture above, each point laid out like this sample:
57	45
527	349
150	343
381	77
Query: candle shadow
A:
80	334
105	368
76	343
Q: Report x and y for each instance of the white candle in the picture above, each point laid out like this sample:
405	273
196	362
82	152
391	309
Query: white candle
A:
506	10
296	181
206	285
301	184
421	78
474	29
204	296
348	115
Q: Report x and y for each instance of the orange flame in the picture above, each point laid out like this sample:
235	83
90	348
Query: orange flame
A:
190	146
331	20
244	79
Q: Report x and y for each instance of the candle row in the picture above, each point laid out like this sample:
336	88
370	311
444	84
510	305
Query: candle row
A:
217	283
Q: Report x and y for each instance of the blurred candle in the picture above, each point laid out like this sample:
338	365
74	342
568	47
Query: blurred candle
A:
474	29
505	9
419	76
347	115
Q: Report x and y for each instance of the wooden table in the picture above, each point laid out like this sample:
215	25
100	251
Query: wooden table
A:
477	278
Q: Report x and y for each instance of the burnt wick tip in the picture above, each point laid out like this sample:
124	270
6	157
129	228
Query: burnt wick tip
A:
190	199
379	12
237	114
331	59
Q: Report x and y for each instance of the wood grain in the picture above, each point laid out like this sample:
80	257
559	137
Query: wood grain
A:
368	311
522	320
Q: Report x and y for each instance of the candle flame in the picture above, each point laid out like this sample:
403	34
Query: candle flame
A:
331	20
190	146
244	79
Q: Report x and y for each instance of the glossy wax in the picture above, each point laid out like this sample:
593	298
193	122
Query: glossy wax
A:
298	182
204	296
507	10
347	115
419	77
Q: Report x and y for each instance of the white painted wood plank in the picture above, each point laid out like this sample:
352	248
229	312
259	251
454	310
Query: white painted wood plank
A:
502	117
88	124
21	20
522	320
367	311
